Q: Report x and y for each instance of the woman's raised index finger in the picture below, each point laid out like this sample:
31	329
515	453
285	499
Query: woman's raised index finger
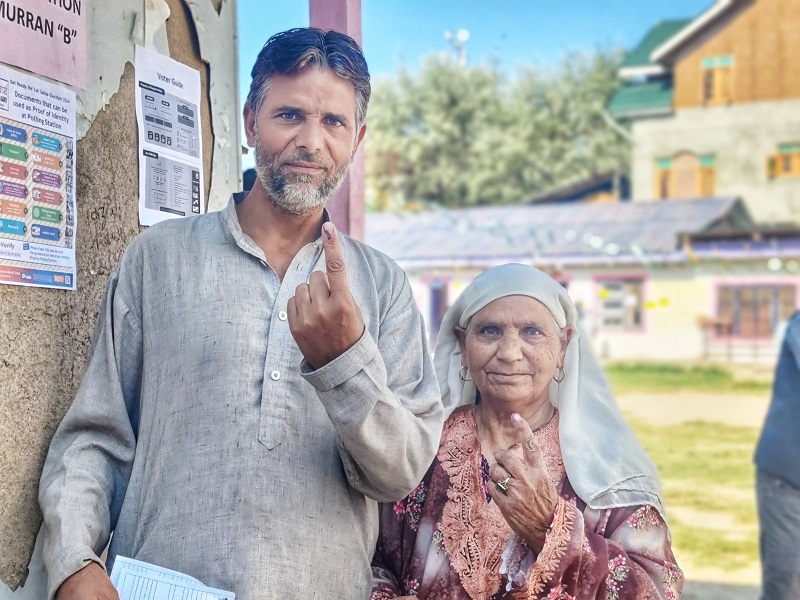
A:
525	437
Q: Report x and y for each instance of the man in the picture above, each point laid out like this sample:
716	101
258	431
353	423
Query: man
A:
778	476
255	386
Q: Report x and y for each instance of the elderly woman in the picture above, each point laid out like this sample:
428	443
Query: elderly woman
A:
539	489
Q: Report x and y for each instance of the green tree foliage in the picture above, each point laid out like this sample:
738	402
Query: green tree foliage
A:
458	135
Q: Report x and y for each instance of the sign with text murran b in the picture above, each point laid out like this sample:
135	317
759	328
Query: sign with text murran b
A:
47	37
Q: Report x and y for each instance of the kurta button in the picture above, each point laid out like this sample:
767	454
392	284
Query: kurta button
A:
275	375
282	315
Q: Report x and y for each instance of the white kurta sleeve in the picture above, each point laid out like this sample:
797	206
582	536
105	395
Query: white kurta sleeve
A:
383	400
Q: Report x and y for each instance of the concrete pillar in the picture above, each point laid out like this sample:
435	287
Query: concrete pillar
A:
346	206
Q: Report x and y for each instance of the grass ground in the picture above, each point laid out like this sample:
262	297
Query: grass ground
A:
708	482
704	460
662	378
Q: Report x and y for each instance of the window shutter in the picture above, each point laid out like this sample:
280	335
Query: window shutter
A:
662	179
772	166
708	182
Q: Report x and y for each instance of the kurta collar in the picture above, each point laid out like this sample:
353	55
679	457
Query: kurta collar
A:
231	220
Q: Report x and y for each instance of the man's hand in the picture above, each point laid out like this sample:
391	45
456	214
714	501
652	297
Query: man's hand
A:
90	583
323	317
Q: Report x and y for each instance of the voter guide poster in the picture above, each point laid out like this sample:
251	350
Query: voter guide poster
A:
170	149
37	182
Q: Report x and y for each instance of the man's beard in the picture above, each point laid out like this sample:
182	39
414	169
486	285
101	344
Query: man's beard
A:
296	194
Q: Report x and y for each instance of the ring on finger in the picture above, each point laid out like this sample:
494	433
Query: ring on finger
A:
502	485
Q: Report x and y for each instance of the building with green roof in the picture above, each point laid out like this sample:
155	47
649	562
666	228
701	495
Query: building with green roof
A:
641	99
647	90
713	108
638	62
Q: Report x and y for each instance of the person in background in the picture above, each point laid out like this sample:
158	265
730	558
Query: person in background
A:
778	476
539	489
248	179
258	381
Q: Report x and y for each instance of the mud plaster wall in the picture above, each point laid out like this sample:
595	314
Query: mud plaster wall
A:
45	334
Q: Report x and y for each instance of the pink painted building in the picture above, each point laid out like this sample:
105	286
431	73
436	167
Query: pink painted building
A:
658	281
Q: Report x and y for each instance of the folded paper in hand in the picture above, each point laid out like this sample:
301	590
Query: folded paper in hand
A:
137	580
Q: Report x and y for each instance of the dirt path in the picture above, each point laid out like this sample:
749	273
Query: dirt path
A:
704	590
671	409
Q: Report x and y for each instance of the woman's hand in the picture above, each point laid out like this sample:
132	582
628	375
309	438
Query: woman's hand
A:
531	499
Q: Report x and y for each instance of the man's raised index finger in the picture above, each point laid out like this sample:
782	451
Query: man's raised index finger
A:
334	259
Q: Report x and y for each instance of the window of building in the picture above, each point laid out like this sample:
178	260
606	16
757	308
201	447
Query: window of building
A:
663	178
707	176
717	79
753	311
686	175
621	303
786	163
708	84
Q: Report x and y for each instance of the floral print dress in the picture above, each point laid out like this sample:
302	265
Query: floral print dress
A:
448	541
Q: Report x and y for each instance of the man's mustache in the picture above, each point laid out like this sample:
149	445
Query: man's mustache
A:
307	157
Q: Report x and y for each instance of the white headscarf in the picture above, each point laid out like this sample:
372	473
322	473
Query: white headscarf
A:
605	464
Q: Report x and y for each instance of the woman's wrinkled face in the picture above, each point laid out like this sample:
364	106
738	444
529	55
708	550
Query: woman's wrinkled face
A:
512	349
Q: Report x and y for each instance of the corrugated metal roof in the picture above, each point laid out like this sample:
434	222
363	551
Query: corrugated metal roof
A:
660	33
641	98
576	190
560	233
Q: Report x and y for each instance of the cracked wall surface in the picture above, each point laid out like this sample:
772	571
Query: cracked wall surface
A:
45	334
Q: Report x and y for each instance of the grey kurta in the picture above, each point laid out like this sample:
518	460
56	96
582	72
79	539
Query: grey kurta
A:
199	439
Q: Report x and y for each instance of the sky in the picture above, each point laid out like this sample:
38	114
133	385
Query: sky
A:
399	33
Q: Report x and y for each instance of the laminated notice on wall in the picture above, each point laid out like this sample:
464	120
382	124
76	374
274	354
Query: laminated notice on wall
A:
37	182
47	37
170	149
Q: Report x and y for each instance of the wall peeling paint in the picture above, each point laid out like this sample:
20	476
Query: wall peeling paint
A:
211	25
36	393
35	587
156	13
144	24
119	20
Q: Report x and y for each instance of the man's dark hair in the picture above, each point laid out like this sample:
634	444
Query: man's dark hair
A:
288	52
